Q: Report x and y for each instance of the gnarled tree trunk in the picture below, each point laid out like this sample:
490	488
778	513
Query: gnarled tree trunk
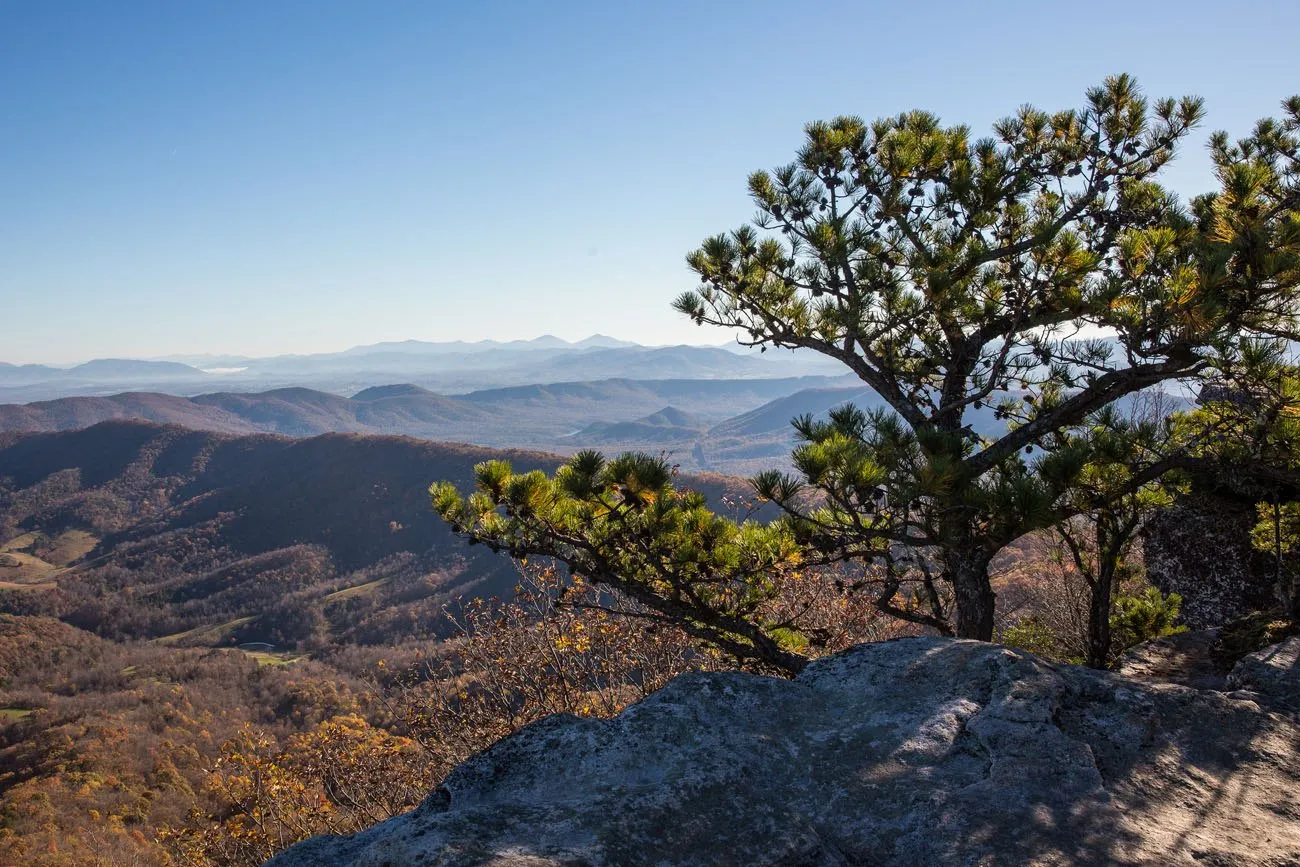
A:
969	572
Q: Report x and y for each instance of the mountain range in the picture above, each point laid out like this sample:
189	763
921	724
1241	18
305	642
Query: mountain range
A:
455	366
723	425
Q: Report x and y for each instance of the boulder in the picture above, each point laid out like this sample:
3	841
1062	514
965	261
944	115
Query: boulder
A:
1200	548
912	752
1273	675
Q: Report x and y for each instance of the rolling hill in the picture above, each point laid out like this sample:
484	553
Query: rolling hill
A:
531	415
128	368
72	413
669	424
141	531
775	416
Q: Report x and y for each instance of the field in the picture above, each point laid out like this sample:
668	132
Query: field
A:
22	569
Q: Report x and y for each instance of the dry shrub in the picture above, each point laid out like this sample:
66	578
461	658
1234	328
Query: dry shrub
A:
1042	599
560	646
340	777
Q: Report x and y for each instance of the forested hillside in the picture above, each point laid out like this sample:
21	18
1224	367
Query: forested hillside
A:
132	530
160	588
103	743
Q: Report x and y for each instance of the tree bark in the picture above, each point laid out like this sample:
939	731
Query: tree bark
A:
974	595
1288	580
1099	618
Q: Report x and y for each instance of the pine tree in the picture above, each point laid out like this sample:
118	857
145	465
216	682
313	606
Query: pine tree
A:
996	293
959	277
1109	502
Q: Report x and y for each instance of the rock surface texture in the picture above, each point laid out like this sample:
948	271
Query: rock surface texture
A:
1273	674
912	752
1200	548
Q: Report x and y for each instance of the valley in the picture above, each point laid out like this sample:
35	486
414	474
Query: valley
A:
724	425
168	594
137	531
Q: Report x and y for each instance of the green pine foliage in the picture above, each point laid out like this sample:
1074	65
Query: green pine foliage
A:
1143	617
1035	636
624	524
964	280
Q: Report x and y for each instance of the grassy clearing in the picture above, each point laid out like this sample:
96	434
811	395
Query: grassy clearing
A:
276	658
70	547
13	714
358	590
18	543
20	568
209	635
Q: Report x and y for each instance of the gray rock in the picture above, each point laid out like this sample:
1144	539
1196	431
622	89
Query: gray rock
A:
913	752
1272	674
1186	658
1201	549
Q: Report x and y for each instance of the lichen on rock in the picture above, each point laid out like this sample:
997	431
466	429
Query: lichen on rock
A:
1200	548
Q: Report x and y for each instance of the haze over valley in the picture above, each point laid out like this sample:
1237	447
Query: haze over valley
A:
454	367
708	408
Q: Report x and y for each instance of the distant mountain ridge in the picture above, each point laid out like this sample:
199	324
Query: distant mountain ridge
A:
456	366
546	341
536	415
113	367
97	370
734	426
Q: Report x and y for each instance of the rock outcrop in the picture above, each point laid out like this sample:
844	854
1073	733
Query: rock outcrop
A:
911	752
1200	548
1186	658
1272	674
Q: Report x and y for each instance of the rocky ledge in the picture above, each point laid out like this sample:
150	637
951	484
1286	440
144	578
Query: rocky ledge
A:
917	751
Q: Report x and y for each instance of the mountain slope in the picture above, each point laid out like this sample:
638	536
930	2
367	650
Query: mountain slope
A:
669	424
136	530
71	413
776	415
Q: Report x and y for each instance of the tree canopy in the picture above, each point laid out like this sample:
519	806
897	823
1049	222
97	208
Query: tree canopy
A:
998	293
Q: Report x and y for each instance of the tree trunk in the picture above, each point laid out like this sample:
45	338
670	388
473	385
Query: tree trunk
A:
974	595
1099	617
1288	591
1288	577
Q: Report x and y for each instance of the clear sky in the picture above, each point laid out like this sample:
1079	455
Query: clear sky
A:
267	177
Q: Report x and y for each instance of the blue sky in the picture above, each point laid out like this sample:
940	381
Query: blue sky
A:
269	177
